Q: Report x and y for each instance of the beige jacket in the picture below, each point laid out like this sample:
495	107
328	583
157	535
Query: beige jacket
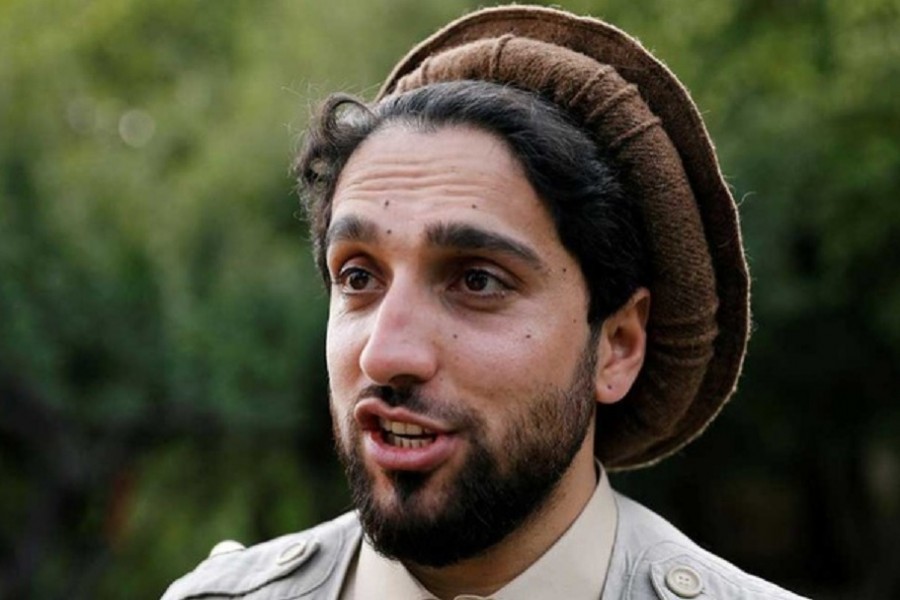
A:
651	560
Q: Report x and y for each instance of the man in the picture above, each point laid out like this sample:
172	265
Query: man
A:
535	273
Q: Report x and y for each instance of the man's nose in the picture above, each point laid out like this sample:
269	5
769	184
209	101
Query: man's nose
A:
402	347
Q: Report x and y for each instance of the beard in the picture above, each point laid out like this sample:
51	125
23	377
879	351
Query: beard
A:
496	490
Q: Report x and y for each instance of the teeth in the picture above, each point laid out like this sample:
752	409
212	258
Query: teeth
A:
403	428
403	442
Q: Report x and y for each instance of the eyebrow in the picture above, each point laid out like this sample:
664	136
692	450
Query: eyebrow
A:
351	229
451	236
462	236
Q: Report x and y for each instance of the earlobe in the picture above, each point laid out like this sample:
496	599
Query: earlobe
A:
621	347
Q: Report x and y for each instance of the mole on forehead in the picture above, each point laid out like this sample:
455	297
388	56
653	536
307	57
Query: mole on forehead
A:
459	236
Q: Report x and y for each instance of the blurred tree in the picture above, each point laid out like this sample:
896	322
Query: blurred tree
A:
161	379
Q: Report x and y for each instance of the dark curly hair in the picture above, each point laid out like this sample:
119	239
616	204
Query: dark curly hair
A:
596	221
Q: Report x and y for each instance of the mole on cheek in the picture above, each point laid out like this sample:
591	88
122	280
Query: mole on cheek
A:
387	203
389	232
455	336
475	206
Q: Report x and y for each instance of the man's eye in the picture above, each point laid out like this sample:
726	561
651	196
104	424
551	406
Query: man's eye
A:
476	281
355	279
482	282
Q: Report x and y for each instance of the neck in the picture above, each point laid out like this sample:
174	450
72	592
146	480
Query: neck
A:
491	570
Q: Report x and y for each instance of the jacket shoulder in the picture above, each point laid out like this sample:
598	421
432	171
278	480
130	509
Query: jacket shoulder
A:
305	564
653	560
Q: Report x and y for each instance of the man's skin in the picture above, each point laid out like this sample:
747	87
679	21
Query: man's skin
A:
448	275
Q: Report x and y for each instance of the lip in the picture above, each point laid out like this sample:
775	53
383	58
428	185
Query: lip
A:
394	458
370	410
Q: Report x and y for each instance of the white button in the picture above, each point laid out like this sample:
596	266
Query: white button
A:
292	553
684	581
225	547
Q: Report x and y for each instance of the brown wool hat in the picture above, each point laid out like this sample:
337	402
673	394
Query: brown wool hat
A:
635	107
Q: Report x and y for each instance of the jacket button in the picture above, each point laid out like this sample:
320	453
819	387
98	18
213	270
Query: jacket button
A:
684	581
292	553
225	547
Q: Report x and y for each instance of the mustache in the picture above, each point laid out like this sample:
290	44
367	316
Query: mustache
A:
412	399
409	397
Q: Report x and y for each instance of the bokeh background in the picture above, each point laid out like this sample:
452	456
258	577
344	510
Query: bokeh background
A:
161	327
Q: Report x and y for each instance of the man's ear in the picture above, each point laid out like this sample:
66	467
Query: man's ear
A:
621	347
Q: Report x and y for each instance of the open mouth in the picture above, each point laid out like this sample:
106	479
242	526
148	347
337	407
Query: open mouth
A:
405	435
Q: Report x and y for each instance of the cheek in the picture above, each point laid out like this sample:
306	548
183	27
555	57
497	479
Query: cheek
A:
540	347
341	363
343	342
340	425
506	368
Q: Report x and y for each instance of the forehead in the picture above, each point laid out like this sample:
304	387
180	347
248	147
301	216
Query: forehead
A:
415	178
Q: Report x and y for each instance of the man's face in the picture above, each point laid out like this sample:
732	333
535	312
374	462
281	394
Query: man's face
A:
461	364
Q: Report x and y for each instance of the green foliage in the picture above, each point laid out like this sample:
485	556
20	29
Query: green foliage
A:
161	324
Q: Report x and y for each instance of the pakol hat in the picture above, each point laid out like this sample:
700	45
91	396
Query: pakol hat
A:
635	108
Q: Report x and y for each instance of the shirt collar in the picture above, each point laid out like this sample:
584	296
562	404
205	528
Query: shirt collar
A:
573	567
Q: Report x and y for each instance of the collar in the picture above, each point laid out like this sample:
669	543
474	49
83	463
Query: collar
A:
573	567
